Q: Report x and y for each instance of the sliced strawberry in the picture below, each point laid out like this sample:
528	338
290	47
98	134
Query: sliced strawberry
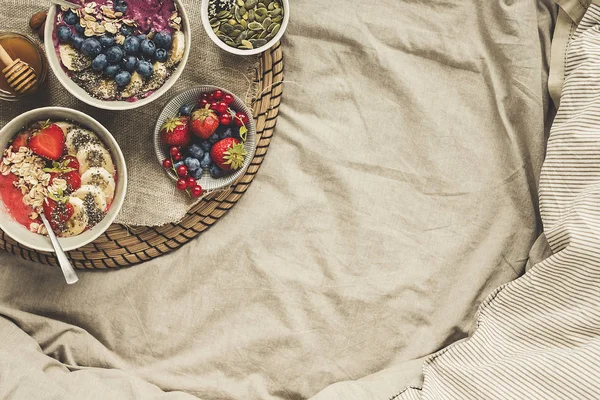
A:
58	213
73	180
49	142
70	162
21	140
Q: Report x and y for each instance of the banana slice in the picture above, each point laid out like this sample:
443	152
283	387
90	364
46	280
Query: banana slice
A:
134	87
95	156
94	202
106	89
65	126
78	221
102	179
72	59
79	138
158	78
177	49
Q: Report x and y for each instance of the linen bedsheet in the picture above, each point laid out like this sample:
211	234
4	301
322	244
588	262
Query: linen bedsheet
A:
399	191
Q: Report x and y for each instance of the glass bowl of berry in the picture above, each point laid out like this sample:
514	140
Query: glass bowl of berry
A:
64	164
121	54
205	139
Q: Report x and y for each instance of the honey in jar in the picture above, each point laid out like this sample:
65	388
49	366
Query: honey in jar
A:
24	48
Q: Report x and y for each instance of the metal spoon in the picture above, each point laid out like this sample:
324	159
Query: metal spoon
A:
63	261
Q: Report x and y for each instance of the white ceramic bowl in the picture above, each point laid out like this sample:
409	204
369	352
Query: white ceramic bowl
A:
38	242
84	96
234	50
190	96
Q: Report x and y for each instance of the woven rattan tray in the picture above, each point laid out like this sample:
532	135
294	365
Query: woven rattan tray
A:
122	246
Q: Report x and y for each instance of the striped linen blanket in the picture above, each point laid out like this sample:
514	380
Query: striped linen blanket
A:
538	337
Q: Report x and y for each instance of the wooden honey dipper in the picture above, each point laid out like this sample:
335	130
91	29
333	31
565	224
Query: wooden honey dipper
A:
19	75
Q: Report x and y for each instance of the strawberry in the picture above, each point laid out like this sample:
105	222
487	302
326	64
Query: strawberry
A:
21	140
204	122
48	142
176	132
67	169
228	154
58	213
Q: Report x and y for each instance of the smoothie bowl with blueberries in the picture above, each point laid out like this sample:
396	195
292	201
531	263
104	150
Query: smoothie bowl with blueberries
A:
64	165
118	54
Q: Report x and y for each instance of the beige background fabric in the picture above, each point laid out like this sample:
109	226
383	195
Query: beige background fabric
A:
400	189
152	198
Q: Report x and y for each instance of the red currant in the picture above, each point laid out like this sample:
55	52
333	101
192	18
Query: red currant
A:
241	119
177	157
197	191
211	97
174	150
167	163
218	94
203	103
182	171
225	119
181	184
204	96
213	106
191	182
222	107
228	98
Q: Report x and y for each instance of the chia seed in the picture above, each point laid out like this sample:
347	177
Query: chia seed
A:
95	215
216	6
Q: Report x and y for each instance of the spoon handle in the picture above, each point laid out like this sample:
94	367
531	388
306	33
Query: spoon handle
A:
63	261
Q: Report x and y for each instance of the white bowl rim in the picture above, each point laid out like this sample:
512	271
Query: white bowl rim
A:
240	52
115	105
118	200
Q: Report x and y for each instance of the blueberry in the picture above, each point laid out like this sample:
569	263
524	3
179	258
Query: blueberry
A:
225	133
111	71
216	172
148	48
130	63
107	40
205	162
178	164
186	109
196	151
161	55
197	174
214	138
79	29
115	54
206	146
145	69
123	78
120	6
70	18
99	63
126	30
163	40
77	41
141	37
192	163
64	33
91	47
132	45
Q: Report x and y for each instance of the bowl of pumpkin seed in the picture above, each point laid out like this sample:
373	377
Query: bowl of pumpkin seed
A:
245	27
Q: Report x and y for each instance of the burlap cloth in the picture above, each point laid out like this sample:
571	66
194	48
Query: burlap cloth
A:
152	198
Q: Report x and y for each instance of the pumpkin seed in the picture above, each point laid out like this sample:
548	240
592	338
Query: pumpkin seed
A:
273	27
247	44
253	34
263	35
242	36
230	43
249	4
244	24
259	43
255	26
227	28
235	33
236	14
266	23
251	16
222	13
277	20
271	6
215	24
240	3
275	30
276	12
245	16
243	10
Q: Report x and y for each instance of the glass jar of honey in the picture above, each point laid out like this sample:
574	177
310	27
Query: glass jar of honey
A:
22	47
